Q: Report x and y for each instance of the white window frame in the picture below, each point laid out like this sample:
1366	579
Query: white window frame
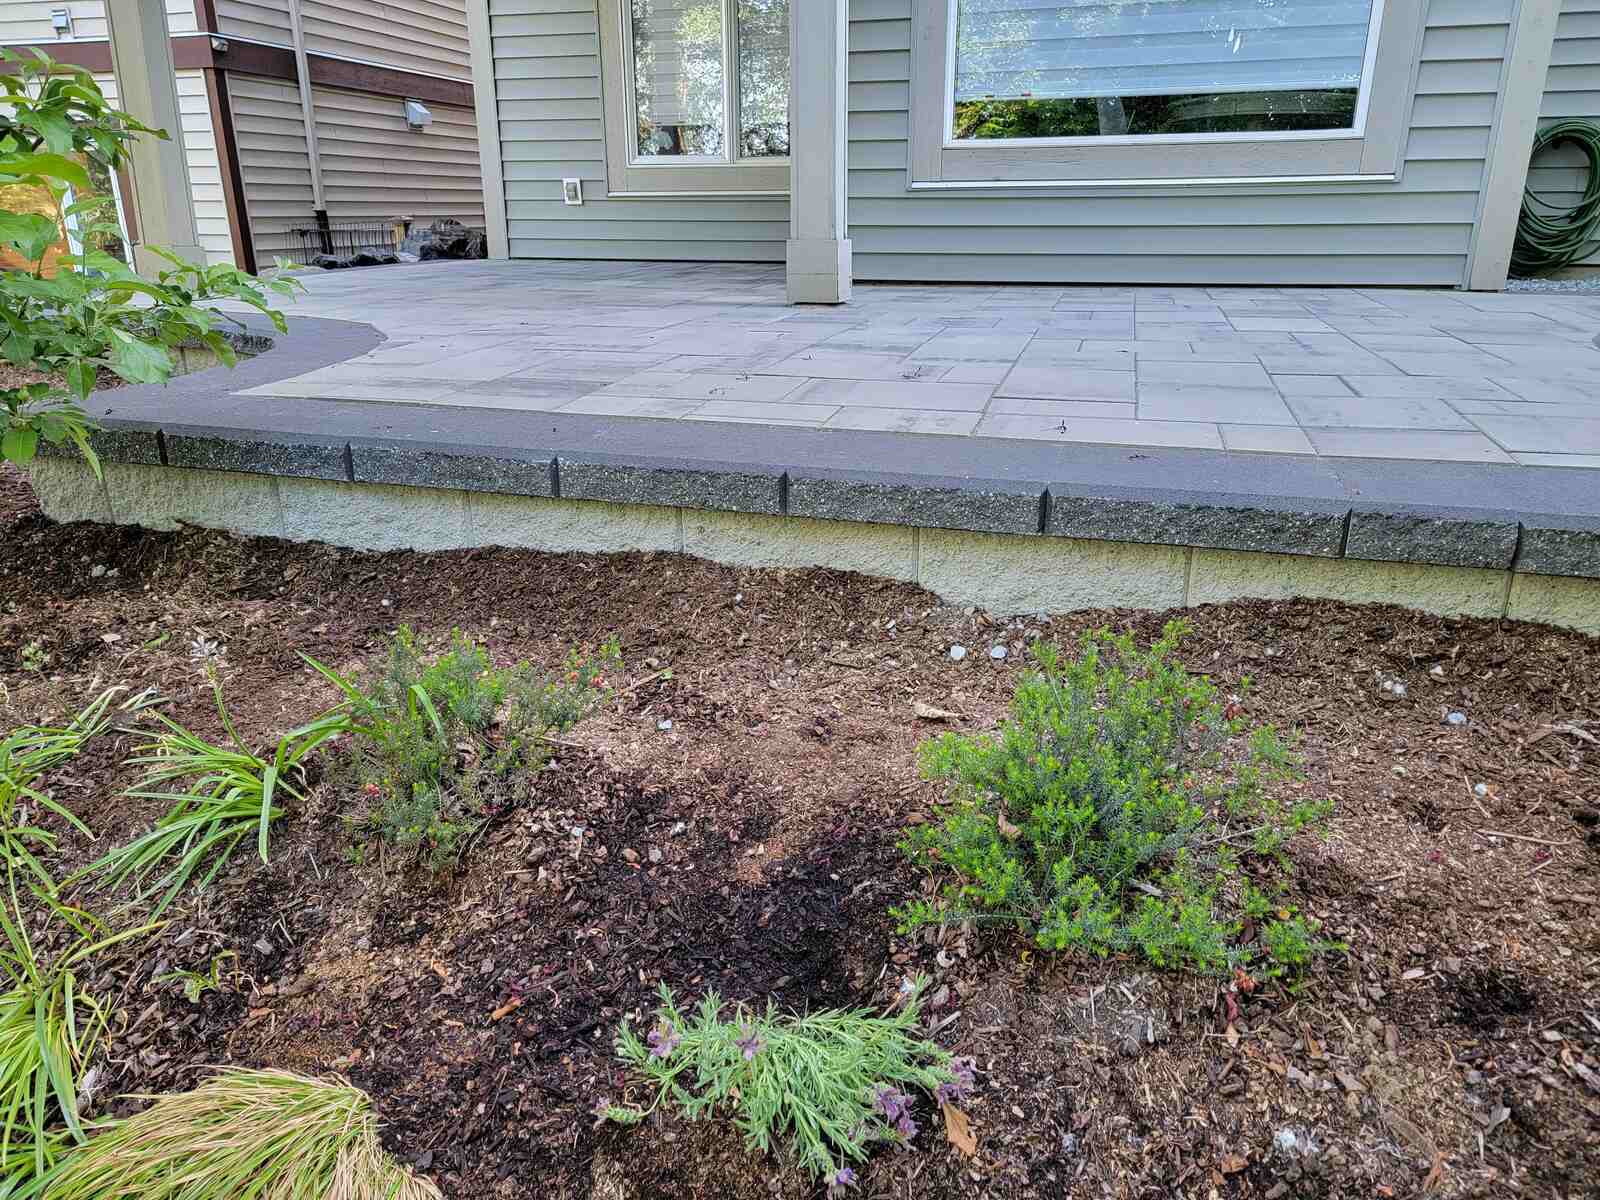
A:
630	174
1369	150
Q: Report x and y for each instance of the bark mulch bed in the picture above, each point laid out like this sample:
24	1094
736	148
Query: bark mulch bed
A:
750	847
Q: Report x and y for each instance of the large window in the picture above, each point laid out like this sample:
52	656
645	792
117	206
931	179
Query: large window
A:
1127	90
700	95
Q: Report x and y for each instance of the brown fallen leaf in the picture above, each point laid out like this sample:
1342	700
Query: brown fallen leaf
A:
1232	1035
506	1009
1436	1175
928	712
959	1130
1007	830
1232	1164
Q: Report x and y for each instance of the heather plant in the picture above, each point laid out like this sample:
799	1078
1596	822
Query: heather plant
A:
828	1085
442	742
1116	810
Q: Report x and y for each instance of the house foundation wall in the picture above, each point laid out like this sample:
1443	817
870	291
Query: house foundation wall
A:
1004	573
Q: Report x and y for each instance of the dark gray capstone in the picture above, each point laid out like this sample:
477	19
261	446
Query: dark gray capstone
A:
1308	527
256	454
467	469
1569	549
1445	541
935	504
131	443
744	491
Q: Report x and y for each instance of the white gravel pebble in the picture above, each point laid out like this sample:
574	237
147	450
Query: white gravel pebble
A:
957	653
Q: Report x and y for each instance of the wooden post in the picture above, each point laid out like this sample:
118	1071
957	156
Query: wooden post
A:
819	269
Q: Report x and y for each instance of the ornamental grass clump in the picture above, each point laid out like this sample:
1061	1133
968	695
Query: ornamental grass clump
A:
242	1135
829	1084
1122	807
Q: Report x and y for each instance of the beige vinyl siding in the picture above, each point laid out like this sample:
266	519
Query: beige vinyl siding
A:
1572	89
271	132
547	85
374	167
1414	231
255	20
200	151
429	36
27	22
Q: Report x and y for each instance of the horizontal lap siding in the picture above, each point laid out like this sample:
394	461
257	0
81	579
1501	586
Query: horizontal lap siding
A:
1572	89
547	85
429	36
1415	231
271	133
375	168
27	22
255	20
213	232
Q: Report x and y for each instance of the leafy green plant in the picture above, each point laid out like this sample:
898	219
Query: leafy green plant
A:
35	658
49	1027
230	796
440	741
828	1085
28	753
70	315
1113	810
197	983
243	1135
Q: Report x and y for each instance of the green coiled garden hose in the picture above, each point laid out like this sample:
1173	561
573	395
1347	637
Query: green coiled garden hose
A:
1551	236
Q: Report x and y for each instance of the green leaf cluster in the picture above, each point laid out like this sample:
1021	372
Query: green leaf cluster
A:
1113	811
89	311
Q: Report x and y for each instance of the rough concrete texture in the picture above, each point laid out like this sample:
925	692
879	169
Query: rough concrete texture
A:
1006	574
748	540
566	525
374	516
1222	575
1556	600
68	491
1011	575
167	497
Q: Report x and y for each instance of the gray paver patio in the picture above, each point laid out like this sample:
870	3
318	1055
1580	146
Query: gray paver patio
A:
1427	375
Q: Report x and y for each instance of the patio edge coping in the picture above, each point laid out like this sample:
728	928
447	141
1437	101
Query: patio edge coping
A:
1095	493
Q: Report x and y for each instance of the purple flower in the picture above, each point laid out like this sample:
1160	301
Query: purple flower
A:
602	1107
843	1178
890	1102
905	1126
750	1045
961	1070
663	1040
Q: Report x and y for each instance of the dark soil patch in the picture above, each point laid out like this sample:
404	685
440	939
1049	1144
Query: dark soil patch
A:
750	848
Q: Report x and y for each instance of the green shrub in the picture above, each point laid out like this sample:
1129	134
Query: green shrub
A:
88	311
830	1083
1114	811
441	743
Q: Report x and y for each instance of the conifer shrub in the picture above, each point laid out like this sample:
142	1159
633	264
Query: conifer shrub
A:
1123	807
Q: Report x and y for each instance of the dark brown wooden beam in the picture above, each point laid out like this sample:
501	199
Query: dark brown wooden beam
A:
386	81
198	51
233	194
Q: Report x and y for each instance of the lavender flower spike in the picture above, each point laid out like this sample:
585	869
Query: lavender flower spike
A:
663	1040
958	1087
750	1044
843	1178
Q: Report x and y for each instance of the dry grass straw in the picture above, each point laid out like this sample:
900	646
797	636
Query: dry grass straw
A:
243	1135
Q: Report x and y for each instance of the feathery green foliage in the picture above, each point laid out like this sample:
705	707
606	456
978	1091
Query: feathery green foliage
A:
442	742
230	796
1112	811
242	1135
827	1083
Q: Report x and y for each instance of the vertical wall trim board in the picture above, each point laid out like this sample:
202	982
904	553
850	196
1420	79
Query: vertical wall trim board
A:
1522	83
487	107
244	252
